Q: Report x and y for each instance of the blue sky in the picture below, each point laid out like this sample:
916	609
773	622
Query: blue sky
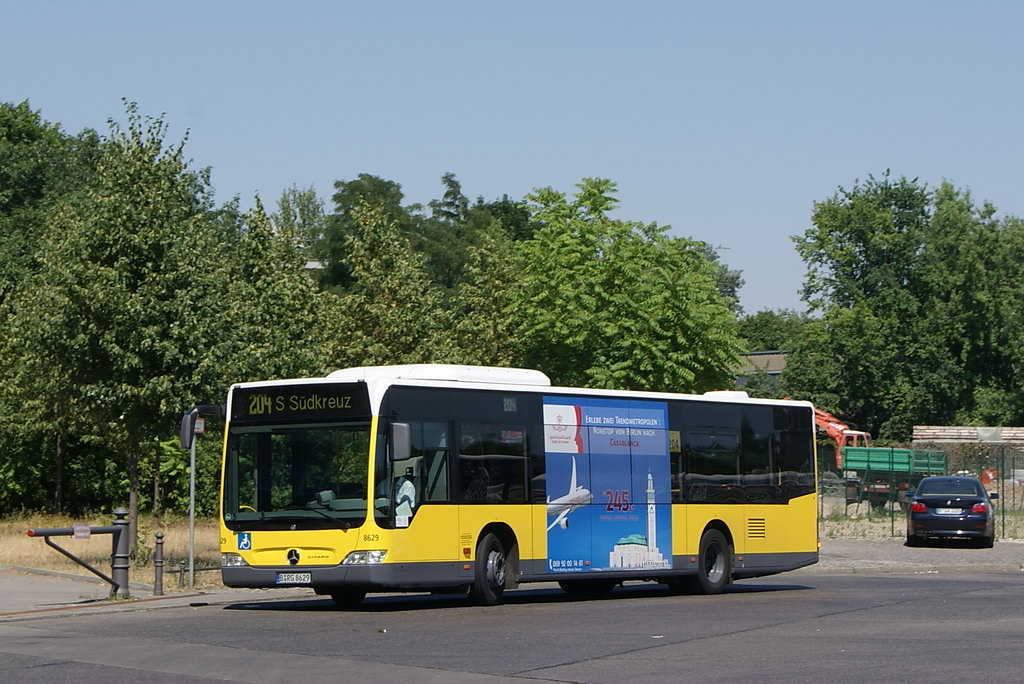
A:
725	120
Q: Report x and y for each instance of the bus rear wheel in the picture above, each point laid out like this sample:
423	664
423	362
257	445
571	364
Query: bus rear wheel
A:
714	563
489	576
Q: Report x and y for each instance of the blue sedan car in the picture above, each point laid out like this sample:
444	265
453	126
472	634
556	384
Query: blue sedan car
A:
950	508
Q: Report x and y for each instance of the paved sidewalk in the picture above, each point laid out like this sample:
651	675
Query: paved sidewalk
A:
26	593
892	555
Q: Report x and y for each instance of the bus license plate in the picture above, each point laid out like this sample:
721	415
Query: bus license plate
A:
294	577
947	511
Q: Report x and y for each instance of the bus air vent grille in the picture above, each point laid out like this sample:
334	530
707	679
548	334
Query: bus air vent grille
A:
756	528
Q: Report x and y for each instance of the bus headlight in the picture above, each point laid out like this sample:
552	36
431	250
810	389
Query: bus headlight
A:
364	558
232	560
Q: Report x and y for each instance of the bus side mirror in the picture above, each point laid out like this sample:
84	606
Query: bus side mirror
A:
188	423
401	442
188	426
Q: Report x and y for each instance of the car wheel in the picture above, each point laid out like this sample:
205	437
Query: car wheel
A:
914	540
986	542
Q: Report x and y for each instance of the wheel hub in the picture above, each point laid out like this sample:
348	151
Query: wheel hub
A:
496	569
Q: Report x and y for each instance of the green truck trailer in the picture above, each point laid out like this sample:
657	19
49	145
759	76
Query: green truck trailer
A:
883	474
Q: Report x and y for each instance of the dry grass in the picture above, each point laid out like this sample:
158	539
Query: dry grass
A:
18	549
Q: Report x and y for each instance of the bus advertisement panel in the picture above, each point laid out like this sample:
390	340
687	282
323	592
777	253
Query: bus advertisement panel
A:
612	453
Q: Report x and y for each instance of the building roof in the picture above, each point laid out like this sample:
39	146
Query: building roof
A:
967	433
771	362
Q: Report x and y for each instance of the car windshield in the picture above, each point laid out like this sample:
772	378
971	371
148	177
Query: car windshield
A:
949	488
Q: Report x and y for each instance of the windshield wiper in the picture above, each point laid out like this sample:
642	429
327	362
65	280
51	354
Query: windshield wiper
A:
340	523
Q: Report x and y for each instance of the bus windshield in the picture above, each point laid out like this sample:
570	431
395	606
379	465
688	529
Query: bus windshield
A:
291	476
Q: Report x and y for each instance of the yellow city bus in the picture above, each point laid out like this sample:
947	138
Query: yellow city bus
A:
475	479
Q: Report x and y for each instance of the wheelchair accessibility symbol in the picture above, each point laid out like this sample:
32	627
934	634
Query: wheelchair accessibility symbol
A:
244	541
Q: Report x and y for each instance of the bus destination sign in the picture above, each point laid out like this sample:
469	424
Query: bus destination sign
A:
307	402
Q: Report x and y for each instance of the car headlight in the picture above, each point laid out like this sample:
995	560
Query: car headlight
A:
365	558
232	560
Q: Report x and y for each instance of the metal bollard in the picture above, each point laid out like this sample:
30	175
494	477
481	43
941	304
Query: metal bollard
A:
158	565
120	558
181	573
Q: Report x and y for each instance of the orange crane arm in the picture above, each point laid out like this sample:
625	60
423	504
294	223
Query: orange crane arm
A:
840	433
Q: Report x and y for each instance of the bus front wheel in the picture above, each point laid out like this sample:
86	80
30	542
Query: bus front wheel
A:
714	563
489	577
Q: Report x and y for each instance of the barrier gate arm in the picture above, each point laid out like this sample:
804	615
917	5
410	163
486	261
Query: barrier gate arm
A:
119	557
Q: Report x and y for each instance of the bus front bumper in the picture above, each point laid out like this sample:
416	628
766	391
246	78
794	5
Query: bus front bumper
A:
385	576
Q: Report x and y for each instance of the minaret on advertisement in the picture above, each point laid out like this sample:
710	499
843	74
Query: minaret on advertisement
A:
652	521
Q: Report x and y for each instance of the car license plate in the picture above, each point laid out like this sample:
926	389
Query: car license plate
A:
294	577
947	511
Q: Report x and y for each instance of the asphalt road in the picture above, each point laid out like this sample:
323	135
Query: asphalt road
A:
854	618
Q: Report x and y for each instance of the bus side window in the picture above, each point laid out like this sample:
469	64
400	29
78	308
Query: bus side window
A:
756	469
793	444
403	486
434	448
538	466
712	460
492	463
678	477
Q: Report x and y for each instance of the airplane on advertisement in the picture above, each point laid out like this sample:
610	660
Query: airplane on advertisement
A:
564	505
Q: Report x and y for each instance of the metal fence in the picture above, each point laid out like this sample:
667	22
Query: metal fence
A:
1000	467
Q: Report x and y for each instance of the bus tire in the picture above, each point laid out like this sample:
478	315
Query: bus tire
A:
714	563
348	598
489	575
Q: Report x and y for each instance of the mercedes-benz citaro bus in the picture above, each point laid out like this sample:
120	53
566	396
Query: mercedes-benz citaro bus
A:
474	479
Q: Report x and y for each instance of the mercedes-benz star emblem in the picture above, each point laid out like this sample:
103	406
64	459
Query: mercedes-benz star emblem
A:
293	556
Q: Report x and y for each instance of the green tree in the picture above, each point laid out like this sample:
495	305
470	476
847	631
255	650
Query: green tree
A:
483	306
514	216
366	190
40	166
393	312
446	236
916	289
268	319
608	303
302	213
769	330
727	280
114	269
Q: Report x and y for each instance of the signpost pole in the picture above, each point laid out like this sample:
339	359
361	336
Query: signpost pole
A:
192	515
192	424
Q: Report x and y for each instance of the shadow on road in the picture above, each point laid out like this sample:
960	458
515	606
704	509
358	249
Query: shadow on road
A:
388	603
